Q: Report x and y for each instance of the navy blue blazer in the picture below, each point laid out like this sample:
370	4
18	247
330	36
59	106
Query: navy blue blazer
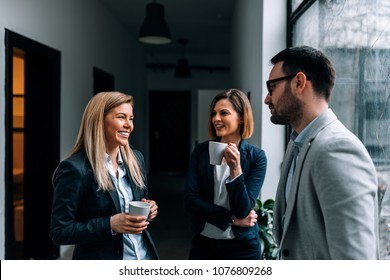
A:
243	191
81	214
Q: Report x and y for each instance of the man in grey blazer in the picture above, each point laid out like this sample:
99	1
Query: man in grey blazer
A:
326	202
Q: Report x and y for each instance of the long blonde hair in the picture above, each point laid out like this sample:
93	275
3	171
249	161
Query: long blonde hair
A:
91	139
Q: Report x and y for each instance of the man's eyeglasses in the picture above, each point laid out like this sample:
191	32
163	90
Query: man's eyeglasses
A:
270	82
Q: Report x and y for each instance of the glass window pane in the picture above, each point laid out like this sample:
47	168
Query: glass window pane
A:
306	29
295	4
356	36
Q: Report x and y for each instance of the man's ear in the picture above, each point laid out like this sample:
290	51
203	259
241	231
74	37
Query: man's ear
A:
300	81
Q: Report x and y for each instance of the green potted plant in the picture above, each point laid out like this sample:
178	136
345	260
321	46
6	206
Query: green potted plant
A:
265	211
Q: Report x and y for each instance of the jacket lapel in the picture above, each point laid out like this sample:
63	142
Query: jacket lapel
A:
280	202
115	198
243	149
323	121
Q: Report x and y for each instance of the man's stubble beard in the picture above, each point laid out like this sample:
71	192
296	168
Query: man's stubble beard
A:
290	111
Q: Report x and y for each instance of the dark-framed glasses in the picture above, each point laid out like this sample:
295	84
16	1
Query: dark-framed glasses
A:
270	82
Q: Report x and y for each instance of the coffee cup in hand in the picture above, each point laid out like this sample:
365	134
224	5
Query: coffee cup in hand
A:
216	151
139	208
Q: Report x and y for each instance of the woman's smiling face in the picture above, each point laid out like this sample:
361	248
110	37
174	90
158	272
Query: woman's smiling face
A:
226	121
118	125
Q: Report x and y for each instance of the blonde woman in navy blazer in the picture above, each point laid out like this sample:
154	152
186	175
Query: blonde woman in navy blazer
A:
221	207
93	186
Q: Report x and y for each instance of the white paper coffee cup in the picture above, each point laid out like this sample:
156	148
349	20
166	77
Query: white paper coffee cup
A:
139	208
216	151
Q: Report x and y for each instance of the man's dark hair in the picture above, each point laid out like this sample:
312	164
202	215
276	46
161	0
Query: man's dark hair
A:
316	66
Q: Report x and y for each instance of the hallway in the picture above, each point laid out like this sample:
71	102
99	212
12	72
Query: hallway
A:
171	230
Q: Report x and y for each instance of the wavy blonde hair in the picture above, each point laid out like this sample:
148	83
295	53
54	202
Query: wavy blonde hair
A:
91	139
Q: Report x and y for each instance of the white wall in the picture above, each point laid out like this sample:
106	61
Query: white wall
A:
86	35
273	136
259	33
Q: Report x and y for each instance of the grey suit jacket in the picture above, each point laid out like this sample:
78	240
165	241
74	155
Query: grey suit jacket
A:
331	212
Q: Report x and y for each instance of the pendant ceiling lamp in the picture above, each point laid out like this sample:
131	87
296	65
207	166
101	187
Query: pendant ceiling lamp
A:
182	68
154	29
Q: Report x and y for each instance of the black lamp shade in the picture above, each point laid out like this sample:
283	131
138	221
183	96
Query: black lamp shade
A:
154	29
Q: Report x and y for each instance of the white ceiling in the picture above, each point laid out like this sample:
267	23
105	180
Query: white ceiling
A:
206	24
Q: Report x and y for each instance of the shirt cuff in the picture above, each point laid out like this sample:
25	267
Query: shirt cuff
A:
228	180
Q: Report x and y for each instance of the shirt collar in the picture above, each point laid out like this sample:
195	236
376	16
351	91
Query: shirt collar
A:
119	158
300	138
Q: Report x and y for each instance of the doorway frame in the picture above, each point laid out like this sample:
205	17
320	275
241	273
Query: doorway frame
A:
14	40
157	148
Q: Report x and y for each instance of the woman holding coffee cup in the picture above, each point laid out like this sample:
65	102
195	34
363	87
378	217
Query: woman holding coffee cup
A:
94	186
221	197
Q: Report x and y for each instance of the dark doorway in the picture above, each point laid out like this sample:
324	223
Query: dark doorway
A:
170	122
102	81
40	116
